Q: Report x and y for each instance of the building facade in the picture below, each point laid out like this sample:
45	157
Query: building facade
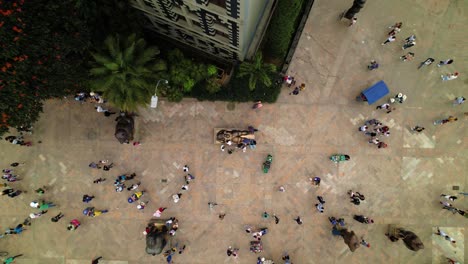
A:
229	30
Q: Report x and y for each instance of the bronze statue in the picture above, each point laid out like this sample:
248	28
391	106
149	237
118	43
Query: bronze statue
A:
124	128
235	136
410	239
350	239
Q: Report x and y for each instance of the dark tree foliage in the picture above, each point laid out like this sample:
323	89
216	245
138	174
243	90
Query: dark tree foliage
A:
44	45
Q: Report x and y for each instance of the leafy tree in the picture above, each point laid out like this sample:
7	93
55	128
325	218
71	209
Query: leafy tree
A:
257	71
43	46
126	71
184	74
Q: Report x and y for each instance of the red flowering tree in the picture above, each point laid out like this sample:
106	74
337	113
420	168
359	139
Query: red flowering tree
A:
43	51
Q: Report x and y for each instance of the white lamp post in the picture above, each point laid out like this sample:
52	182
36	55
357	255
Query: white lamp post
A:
154	98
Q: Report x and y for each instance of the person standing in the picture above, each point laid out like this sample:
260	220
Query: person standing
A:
445	62
418	129
56	218
276	219
459	100
389	39
408	57
319	207
353	21
298	220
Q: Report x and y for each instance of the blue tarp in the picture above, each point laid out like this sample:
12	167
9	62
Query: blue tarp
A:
375	92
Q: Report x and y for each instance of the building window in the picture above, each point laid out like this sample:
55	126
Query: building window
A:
221	3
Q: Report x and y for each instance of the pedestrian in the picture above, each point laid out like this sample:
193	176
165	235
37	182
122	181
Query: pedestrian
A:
450	209
445	62
449	77
45	205
12	259
40	191
159	211
395	29
427	62
185	187
134	186
363	128
108	167
315	181
99	109
355	200
34	204
276	219
176	197
444	203
389	39
383	106
459	100
408	57
107	113
265	215
96	260
352	21
444	235
16	164
56	218
363	219
73	225
229	251
100	180
449	197
87	198
221	216
397	25
365	243
298	220
248	229
371	134
235	252
94	165
319	207
374	140
141	205
119	187
281	189
410	38
186	168
382	145
212	205
295	91
136	143
320	199
37	215
418	129
188	178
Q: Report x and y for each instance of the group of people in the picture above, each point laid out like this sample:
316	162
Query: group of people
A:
445	202
188	178
375	129
18	140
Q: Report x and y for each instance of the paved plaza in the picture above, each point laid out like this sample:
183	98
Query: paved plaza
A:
402	183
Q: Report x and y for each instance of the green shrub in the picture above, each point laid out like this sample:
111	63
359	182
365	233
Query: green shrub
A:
237	90
282	28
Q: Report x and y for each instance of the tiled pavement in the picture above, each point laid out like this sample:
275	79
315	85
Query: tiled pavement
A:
401	183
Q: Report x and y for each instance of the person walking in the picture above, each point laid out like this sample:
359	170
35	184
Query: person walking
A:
408	57
449	77
96	260
87	198
176	197
389	39
449	197
56	218
459	100
319	207
427	62
444	235
353	21
395	29
298	220
363	219
12	259
276	219
185	168
418	129
445	62
159	211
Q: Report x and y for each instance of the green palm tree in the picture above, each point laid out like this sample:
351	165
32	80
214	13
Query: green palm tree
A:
257	71
125	71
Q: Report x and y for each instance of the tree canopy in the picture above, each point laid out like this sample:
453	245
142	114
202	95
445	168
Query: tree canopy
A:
126	71
257	71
